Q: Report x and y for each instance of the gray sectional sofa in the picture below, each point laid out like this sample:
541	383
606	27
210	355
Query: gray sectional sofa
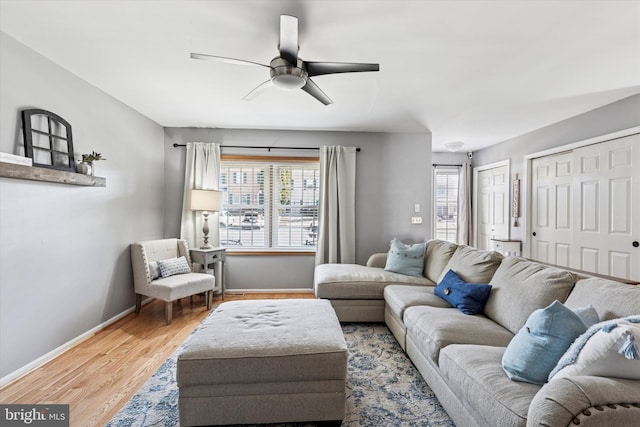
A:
460	355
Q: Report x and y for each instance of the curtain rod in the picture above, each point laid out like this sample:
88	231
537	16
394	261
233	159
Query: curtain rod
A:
443	164
268	148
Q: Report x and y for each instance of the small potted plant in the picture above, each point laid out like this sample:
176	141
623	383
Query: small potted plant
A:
86	165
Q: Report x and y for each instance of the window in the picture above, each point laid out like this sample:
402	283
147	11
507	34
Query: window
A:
446	203
271	203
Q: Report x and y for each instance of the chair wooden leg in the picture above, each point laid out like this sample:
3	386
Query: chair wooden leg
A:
209	297
138	303
168	312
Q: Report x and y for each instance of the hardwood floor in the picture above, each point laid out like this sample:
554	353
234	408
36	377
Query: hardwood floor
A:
99	375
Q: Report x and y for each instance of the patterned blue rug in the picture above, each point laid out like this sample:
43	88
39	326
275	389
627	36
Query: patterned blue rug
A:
383	388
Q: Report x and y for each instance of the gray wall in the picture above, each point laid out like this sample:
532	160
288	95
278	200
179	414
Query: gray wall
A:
64	249
393	173
621	115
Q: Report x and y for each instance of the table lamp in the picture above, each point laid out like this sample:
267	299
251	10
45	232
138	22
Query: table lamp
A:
206	201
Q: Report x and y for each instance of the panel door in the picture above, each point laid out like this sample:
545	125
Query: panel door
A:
607	215
552	221
585	208
492	206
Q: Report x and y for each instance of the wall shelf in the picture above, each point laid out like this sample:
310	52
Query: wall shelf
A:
34	173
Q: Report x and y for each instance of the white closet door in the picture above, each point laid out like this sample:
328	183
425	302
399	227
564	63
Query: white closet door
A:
586	208
607	215
552	228
492	206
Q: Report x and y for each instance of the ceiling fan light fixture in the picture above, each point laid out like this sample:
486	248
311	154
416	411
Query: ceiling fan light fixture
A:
454	146
286	76
289	81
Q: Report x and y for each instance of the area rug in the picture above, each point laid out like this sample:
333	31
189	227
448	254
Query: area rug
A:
383	388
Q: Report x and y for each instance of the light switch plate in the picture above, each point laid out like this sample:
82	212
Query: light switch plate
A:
416	220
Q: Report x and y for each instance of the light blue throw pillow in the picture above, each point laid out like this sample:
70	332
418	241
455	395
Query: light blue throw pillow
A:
173	266
535	350
405	259
588	314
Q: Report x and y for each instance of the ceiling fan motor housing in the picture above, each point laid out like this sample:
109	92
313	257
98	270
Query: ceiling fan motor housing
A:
287	76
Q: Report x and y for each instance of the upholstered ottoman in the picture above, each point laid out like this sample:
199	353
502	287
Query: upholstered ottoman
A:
264	361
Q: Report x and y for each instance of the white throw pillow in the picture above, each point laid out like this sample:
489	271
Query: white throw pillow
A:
607	349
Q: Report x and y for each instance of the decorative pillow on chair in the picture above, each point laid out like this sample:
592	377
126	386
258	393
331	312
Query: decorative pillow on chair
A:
469	298
405	259
607	349
173	266
154	270
535	350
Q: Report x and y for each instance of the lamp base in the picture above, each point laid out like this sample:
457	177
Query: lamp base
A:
206	246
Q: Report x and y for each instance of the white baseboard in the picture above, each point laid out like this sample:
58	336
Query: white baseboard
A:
64	347
267	291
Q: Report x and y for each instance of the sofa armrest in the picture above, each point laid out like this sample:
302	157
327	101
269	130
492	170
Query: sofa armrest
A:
377	260
587	401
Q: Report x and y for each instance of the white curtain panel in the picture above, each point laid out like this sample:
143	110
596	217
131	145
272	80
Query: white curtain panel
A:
201	172
464	205
337	214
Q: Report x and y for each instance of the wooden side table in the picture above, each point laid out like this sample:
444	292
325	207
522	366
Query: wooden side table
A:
215	256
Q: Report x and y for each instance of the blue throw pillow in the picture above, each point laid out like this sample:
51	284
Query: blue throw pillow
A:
405	259
469	298
535	350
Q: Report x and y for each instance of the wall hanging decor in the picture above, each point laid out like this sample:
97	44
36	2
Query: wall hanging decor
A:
515	201
48	140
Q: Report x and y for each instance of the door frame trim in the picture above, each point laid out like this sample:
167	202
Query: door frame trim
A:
527	201
476	170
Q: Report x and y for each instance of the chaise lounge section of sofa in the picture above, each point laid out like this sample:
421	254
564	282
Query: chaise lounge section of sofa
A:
460	356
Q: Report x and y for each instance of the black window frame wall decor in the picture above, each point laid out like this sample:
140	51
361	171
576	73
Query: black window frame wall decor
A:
59	150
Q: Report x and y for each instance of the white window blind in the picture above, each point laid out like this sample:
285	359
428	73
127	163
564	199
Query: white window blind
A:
446	202
269	204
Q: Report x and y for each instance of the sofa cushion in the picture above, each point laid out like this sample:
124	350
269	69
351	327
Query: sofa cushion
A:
433	328
540	343
399	297
405	259
520	287
474	374
436	258
469	298
354	281
473	265
612	300
182	285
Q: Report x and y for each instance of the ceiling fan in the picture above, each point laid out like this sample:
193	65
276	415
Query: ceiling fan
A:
290	72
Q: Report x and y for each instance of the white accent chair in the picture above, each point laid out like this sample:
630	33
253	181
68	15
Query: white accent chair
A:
169	288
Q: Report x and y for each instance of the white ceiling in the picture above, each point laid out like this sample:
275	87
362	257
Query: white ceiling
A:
474	71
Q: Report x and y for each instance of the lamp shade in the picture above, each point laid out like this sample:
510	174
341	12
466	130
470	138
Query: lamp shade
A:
206	200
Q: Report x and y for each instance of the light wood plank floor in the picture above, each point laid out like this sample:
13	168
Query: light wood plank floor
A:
99	375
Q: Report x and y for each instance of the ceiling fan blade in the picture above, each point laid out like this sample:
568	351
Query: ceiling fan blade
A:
312	89
258	90
319	68
289	38
225	59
